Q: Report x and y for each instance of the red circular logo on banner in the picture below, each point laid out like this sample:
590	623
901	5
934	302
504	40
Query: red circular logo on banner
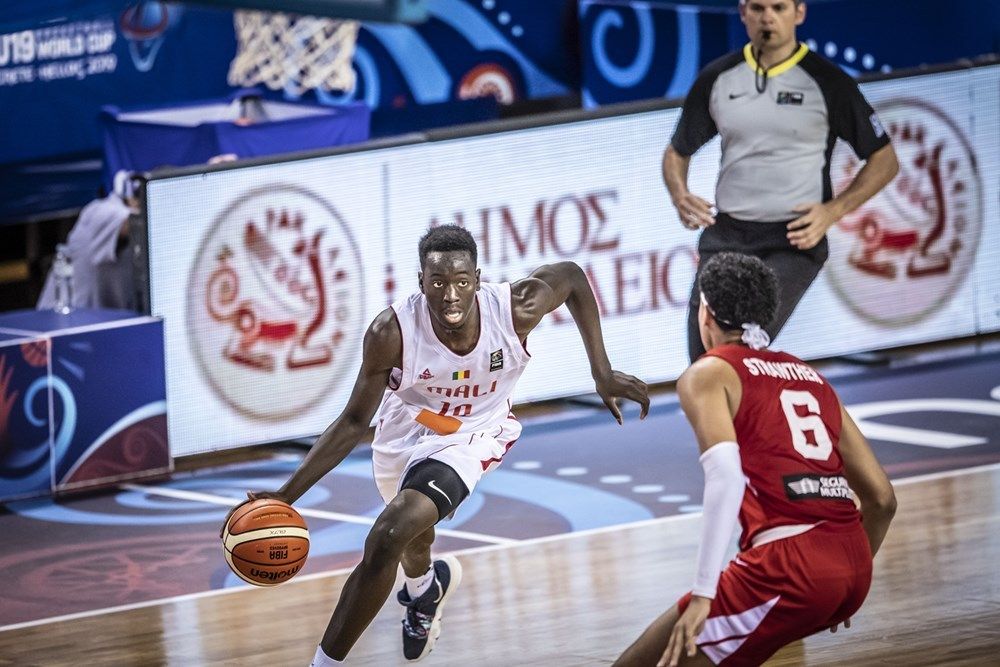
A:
488	79
898	258
275	301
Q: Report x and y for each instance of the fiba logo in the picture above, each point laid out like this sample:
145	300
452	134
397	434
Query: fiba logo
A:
895	260
274	302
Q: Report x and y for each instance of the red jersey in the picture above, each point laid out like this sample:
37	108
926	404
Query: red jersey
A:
788	429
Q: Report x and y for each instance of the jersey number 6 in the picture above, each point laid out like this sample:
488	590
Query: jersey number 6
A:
822	447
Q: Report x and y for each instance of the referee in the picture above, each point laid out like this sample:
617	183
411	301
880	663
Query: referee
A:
779	109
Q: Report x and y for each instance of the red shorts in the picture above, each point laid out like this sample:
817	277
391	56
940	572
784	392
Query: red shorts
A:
771	595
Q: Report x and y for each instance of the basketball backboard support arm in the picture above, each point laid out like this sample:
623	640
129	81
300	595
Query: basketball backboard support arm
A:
388	11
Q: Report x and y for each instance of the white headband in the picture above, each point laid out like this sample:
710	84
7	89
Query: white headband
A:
753	335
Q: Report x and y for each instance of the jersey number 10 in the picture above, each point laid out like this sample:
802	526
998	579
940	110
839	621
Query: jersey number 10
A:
460	410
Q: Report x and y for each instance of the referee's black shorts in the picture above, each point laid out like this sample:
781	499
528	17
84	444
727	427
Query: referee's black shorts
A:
796	269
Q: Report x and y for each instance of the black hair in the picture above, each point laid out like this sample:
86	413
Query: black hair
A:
447	238
740	289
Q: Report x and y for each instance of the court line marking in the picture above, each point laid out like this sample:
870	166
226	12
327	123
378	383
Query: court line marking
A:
180	494
905	481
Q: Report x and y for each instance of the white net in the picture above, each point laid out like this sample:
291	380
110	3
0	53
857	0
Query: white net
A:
293	53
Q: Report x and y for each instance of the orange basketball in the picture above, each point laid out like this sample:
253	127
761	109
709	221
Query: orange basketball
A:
266	542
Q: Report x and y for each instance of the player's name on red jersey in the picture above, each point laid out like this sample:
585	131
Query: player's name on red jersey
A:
782	370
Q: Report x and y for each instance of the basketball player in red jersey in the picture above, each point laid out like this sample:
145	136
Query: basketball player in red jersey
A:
782	455
449	356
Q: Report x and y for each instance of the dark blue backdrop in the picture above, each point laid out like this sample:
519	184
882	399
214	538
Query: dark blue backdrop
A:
151	53
633	50
61	60
134	144
130	52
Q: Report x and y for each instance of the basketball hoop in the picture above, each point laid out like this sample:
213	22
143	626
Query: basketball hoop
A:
292	52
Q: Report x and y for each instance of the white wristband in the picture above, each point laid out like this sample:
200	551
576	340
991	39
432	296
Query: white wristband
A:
724	488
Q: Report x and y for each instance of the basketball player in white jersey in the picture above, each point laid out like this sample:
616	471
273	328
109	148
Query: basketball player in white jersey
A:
450	356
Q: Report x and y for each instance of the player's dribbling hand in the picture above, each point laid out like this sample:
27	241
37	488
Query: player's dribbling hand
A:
251	496
686	631
615	384
694	212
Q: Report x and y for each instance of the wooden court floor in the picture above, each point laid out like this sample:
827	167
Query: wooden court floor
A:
579	599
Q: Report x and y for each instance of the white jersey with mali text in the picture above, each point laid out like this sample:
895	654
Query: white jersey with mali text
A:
445	392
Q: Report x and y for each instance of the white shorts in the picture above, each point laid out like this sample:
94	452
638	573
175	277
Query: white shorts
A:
471	454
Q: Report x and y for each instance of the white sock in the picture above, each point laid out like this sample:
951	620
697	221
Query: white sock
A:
417	586
321	659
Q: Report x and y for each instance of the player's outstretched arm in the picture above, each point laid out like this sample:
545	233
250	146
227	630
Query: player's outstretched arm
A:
552	285
381	352
868	480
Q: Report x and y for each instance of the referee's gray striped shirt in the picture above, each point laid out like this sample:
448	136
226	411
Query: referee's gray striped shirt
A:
776	144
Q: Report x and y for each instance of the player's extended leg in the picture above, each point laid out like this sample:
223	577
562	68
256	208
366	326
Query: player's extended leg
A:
647	650
407	516
428	584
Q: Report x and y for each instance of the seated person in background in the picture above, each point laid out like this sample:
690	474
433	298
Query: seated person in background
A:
97	246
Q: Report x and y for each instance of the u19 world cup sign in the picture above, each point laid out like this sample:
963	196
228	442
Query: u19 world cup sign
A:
898	258
274	302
